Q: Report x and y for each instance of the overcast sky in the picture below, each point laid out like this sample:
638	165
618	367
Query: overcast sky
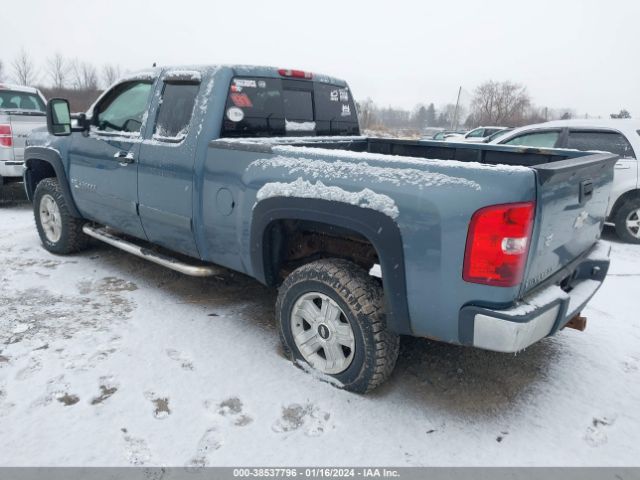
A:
583	54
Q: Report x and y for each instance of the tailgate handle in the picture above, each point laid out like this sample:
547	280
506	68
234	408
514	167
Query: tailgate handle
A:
586	190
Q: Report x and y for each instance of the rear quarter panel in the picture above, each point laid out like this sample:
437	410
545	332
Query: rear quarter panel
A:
435	201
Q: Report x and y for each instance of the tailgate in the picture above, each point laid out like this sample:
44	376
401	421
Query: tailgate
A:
572	199
21	126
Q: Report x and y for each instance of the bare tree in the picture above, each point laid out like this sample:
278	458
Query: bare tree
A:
500	103
366	113
622	114
24	71
84	75
110	73
57	70
448	116
1	71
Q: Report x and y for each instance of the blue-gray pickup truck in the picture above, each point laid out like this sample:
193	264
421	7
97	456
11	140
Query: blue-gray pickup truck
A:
264	171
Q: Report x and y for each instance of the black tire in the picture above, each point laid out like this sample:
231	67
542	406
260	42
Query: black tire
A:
361	299
71	237
620	220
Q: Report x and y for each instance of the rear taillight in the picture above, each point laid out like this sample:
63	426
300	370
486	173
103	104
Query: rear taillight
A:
498	244
6	137
295	73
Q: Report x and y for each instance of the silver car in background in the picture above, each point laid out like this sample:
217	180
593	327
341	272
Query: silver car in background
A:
22	109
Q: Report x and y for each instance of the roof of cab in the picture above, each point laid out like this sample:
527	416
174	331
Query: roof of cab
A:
18	88
242	70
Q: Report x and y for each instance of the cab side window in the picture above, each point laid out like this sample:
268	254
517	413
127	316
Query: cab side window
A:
613	142
123	108
547	139
176	109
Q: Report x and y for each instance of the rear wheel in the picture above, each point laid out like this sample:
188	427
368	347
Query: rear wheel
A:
59	231
330	317
627	221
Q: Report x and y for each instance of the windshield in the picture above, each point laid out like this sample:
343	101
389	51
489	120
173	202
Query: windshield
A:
286	107
499	133
12	100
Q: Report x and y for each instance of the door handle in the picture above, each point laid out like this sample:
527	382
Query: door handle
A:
124	158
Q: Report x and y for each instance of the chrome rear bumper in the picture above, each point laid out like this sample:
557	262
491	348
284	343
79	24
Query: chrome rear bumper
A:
538	315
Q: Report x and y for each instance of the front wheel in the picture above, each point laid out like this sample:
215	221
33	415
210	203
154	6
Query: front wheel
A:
627	221
330	317
59	231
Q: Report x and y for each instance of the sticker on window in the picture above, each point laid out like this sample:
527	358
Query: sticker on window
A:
242	82
235	88
344	95
262	84
346	110
235	114
241	100
334	95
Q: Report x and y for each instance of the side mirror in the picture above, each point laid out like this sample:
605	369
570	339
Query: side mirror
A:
58	117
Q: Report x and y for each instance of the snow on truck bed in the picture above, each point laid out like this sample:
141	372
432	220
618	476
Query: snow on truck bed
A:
317	166
363	172
304	189
283	145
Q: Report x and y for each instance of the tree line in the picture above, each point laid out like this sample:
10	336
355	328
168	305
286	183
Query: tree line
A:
492	103
59	76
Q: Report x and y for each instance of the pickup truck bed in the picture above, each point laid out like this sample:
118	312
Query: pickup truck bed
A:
567	223
481	245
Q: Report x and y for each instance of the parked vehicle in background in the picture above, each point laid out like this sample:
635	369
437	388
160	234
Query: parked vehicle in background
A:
22	109
497	135
471	239
618	136
430	132
444	134
477	134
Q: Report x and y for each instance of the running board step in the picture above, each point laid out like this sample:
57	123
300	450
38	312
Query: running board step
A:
165	260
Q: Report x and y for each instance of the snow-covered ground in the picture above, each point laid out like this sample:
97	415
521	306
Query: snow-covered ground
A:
106	359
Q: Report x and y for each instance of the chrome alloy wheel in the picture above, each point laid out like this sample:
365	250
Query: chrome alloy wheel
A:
50	218
633	223
322	333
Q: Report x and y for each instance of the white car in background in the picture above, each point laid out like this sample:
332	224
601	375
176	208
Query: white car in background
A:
619	136
478	135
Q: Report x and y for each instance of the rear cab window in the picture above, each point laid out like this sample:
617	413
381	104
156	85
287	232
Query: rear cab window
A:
608	141
275	107
26	101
